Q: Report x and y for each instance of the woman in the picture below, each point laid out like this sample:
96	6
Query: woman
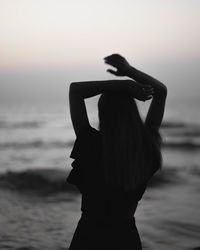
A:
112	165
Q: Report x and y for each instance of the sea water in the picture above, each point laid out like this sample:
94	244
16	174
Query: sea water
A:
39	210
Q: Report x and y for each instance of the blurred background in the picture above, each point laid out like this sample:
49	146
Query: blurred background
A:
45	45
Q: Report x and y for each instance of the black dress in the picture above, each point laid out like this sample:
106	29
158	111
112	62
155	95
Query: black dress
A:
107	221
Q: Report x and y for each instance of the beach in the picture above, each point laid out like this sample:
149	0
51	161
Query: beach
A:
40	210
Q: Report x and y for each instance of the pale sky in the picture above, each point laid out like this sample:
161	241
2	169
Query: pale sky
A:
48	42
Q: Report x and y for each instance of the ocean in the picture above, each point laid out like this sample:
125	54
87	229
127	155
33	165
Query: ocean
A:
40	210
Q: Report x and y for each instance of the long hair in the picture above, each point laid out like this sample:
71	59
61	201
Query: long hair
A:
131	155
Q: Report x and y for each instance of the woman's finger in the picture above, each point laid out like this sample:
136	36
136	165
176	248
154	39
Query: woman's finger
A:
114	62
148	97
110	63
147	87
112	71
148	91
113	57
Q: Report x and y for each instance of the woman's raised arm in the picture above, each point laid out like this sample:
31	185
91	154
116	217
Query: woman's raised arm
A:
156	111
81	90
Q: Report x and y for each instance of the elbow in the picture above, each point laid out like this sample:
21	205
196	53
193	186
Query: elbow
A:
163	91
75	90
72	88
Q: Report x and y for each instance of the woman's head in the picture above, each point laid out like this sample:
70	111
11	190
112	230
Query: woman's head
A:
116	110
127	146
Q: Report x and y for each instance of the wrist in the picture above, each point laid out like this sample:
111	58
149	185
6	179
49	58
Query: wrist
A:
130	71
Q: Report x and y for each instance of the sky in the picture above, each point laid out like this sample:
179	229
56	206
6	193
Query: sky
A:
46	44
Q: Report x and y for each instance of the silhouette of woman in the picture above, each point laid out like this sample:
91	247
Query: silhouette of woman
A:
112	165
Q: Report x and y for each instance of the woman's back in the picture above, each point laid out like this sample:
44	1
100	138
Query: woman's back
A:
107	221
88	176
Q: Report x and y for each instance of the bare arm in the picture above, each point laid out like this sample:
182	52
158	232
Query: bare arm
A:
81	90
156	110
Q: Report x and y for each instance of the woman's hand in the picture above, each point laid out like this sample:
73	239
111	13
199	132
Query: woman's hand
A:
119	62
135	90
141	92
